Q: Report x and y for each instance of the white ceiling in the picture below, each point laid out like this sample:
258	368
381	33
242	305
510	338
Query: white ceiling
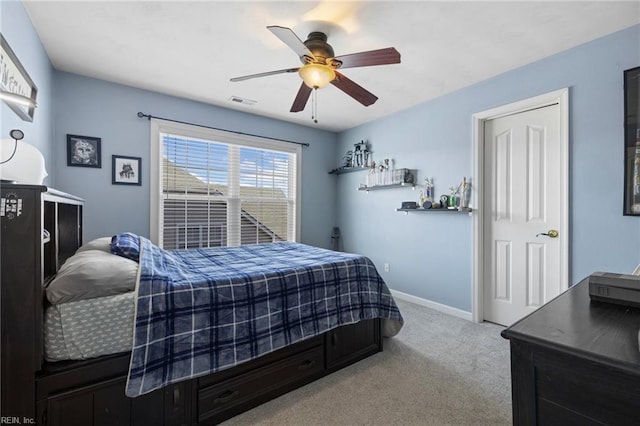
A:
191	49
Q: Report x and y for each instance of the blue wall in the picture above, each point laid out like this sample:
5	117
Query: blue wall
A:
16	28
430	254
90	107
69	103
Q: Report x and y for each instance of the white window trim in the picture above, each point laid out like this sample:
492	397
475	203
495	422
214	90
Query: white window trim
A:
159	127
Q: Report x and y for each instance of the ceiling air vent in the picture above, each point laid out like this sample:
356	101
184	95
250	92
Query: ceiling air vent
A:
243	101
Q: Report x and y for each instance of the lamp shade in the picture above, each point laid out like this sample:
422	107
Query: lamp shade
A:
316	76
25	167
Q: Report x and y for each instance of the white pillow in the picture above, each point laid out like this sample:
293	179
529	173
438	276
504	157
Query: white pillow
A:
90	274
102	244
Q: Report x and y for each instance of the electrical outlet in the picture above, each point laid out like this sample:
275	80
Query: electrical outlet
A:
387	267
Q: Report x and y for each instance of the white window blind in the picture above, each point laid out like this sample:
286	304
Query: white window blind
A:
221	190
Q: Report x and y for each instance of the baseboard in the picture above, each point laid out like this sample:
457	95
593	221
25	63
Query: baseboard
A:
433	305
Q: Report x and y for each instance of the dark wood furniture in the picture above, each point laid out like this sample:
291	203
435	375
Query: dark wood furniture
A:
576	362
28	260
91	392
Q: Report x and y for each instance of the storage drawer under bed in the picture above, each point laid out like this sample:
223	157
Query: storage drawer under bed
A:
92	391
237	394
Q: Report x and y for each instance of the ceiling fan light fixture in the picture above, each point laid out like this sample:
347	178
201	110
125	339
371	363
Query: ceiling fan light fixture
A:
317	76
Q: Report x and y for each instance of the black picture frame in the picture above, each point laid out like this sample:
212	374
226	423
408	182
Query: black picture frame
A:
632	142
21	83
84	151
126	170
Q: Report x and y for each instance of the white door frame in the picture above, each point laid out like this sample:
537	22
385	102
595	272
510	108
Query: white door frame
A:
560	97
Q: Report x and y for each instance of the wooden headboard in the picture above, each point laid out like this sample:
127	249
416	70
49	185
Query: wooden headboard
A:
30	257
62	216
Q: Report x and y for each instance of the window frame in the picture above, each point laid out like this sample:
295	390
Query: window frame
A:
159	127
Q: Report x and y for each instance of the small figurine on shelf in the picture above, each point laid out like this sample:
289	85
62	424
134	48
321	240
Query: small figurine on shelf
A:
444	200
360	154
453	199
428	191
365	154
425	203
384	165
357	155
348	159
464	194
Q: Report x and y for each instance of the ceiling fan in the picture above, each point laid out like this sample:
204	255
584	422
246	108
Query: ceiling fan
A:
321	65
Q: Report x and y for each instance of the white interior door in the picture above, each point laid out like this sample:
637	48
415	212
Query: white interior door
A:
523	169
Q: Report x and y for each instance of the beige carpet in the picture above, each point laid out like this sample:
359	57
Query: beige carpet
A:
439	370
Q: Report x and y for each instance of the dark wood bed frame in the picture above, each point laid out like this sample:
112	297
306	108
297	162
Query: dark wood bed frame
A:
91	392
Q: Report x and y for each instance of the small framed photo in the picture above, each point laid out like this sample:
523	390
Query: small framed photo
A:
84	151
126	170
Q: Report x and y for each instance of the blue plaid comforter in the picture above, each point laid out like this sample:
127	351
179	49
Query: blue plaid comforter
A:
203	310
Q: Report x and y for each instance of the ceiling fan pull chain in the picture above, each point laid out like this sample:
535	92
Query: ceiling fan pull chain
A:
314	106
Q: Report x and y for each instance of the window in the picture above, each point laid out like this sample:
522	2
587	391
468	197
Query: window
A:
216	188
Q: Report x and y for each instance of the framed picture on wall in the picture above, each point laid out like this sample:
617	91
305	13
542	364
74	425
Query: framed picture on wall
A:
84	151
17	89
125	170
632	142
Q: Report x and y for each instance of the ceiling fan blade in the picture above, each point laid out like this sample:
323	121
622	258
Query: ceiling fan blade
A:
290	38
301	98
385	56
264	74
354	90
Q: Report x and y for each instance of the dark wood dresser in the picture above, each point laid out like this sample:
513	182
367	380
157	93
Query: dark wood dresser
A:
576	362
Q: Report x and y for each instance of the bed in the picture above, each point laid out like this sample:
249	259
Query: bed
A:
201	311
187	369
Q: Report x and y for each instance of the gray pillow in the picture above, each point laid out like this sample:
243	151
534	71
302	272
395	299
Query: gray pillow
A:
92	273
102	243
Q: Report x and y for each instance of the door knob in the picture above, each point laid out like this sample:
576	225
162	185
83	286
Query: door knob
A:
551	233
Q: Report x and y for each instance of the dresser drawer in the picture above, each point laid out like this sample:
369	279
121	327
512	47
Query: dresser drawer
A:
225	399
598	392
551	414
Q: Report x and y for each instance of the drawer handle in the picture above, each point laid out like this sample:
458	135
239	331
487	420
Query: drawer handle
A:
226	396
306	364
176	396
334	339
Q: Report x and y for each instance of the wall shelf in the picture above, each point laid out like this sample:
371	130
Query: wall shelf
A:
378	187
406	211
342	170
